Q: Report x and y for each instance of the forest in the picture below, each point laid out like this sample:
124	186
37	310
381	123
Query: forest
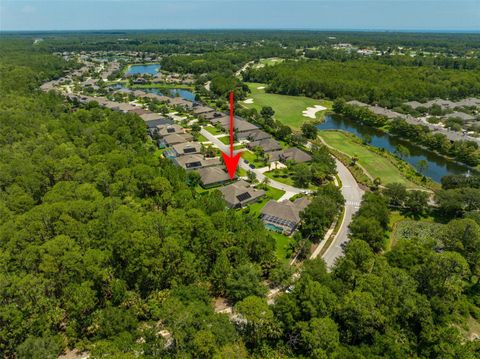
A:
366	80
104	246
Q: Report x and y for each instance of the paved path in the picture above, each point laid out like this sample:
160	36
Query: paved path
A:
260	176
353	196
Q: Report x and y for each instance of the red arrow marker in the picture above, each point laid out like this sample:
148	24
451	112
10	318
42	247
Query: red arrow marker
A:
231	161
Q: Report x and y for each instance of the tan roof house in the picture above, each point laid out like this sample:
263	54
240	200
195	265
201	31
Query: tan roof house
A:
213	176
190	162
186	148
238	194
283	216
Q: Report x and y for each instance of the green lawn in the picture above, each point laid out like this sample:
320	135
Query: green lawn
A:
252	158
375	164
282	244
288	109
213	130
201	138
280	175
225	140
284	175
272	193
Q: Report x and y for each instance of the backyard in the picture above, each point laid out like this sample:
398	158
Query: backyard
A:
288	109
282	246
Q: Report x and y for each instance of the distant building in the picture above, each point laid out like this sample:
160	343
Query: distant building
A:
283	216
465	117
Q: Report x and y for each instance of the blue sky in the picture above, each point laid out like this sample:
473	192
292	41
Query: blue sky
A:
456	15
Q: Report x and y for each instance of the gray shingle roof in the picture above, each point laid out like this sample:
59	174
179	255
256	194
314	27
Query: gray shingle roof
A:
290	154
212	175
239	193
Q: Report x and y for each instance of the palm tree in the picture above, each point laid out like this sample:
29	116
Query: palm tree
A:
354	160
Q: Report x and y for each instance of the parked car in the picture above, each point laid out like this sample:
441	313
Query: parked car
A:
251	166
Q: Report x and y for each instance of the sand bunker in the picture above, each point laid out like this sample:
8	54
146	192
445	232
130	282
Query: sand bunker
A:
311	111
248	100
260	87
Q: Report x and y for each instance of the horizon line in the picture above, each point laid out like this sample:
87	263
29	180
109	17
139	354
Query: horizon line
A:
412	30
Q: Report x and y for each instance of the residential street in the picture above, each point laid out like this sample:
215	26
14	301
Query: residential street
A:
290	190
353	196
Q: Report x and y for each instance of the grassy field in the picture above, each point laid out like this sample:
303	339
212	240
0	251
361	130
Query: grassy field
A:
288	109
397	220
376	165
271	61
282	244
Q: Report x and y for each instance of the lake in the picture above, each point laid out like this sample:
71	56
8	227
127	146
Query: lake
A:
150	69
438	166
183	93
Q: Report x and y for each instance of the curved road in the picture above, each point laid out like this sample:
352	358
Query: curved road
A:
353	196
350	191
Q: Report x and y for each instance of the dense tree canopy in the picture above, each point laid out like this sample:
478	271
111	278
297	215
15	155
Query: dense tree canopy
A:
106	246
366	80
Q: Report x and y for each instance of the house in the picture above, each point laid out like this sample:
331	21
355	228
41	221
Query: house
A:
201	110
469	102
140	111
177	101
283	216
165	130
174	139
238	194
150	116
268	145
444	104
155	123
186	148
465	117
189	162
222	121
257	135
290	154
154	96
209	116
241	127
414	104
213	176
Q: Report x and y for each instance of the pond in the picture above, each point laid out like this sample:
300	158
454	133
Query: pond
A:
438	166
150	69
174	92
